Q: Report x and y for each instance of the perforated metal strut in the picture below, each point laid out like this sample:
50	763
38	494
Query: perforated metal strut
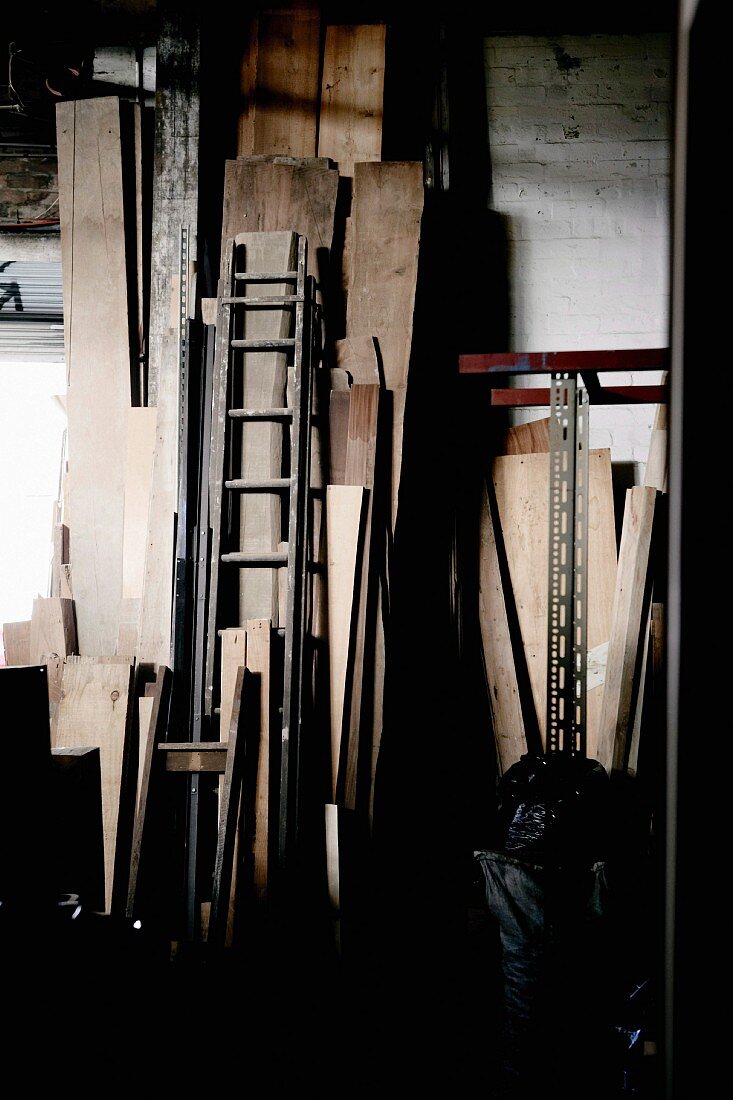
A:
567	568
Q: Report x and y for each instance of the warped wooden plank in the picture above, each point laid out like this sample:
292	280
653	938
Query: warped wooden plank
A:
279	82
521	484
175	204
17	643
345	520
386	217
629	616
499	661
352	93
526	439
338	434
139	452
259	633
264	385
53	630
367	674
95	711
98	340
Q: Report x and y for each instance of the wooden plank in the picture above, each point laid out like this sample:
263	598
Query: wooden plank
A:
521	484
96	711
526	439
139	252
259	633
17	643
53	630
60	559
361	451
92	221
233	654
175	204
345	519
655	473
352	93
338	434
264	384
499	661
145	715
139	452
386	215
628	619
279	83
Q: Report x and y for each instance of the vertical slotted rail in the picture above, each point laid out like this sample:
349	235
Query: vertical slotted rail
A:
567	568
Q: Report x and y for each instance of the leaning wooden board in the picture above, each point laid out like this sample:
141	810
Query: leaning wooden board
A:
53	629
386	218
521	483
96	711
98	358
352	94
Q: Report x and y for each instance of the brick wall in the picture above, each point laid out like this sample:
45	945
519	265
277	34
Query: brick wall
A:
579	129
28	186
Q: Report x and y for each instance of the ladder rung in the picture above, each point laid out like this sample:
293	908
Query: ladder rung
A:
256	561
261	414
272	301
269	485
264	345
266	276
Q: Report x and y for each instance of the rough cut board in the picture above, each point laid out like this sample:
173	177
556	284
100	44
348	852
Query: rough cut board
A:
233	655
141	423
352	94
345	517
93	712
175	204
527	439
53	630
499	663
275	196
386	216
521	483
279	83
98	363
17	643
265	375
338	432
258	660
626	626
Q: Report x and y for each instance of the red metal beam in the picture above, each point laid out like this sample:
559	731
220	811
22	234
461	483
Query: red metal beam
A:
547	362
607	395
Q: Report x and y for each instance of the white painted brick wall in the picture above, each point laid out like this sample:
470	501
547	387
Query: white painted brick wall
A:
579	129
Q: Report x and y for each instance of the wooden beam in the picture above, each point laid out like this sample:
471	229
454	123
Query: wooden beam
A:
386	215
521	484
96	711
345	518
98	341
352	93
629	617
53	629
175	204
279	82
17	643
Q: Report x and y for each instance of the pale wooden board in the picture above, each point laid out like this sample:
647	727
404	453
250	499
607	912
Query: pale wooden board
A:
345	518
17	643
145	713
140	449
175	204
127	636
361	450
527	439
521	484
279	83
258	660
626	626
93	712
655	474
265	377
352	94
208	310
60	559
333	882
55	673
233	654
499	662
386	216
92	223
338	425
53	630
